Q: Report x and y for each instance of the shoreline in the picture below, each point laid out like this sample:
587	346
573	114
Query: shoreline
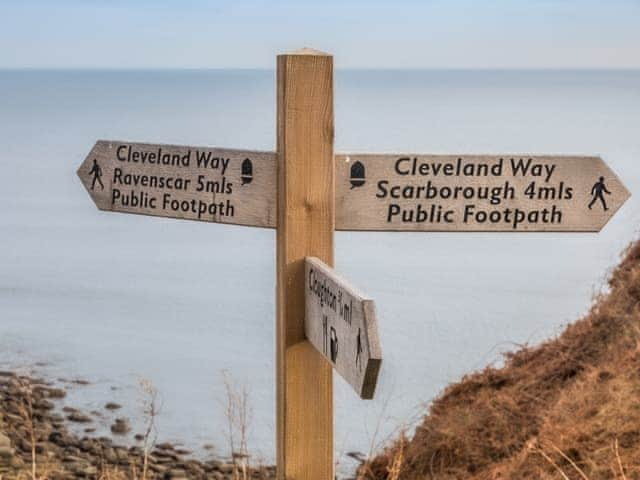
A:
36	430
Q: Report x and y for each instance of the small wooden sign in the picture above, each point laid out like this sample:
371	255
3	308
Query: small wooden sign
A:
498	193
193	183
341	324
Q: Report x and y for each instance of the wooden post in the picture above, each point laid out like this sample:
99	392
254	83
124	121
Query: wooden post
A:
306	217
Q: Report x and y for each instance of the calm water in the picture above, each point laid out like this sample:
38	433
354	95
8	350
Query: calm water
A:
113	298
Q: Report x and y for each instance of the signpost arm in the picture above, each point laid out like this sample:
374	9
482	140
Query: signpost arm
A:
306	217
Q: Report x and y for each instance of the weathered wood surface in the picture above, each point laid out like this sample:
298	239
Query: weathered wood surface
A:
195	183
306	211
498	193
340	322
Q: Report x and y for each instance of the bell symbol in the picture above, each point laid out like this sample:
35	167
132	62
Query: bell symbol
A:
246	171
357	175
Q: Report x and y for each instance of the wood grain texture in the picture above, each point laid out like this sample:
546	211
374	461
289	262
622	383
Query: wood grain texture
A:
449	193
190	183
306	212
341	323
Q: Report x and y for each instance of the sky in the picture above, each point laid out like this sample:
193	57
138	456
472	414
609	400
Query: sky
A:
359	33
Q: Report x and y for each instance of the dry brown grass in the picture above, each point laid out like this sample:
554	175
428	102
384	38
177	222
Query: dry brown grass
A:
41	467
150	411
569	408
112	473
397	460
378	443
238	414
25	408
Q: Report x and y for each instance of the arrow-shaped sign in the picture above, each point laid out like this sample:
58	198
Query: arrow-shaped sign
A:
195	183
499	193
340	322
436	193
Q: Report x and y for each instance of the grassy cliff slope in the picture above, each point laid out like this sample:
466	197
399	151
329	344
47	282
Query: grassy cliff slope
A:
567	409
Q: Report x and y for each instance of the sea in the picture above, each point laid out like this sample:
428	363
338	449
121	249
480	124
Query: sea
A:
119	300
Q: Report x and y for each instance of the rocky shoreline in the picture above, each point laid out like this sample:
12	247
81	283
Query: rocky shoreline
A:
34	435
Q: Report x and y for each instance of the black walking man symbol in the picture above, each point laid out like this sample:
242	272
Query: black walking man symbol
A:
598	190
359	350
96	171
325	335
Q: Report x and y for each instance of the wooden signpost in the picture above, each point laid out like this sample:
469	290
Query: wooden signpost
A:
306	212
307	193
341	324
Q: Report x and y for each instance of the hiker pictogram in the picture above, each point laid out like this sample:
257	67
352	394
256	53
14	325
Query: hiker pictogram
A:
96	171
325	335
359	349
597	191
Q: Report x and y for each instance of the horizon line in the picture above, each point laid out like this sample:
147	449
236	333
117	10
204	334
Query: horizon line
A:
270	69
